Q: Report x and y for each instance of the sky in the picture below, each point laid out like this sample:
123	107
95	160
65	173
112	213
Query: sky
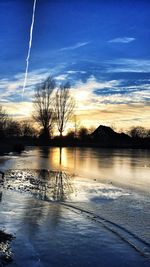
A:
101	47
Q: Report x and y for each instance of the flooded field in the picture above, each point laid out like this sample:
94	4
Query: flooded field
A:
77	207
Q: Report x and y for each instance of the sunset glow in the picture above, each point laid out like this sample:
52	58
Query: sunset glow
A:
106	62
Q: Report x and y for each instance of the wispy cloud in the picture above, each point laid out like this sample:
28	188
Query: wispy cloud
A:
11	88
111	108
124	40
19	110
93	94
123	117
106	101
61	77
128	65
75	46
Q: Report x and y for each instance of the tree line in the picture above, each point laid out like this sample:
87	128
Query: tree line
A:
10	127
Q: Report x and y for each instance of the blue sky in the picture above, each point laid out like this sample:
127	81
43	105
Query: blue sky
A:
101	47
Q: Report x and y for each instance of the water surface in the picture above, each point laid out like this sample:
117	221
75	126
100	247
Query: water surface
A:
93	203
130	168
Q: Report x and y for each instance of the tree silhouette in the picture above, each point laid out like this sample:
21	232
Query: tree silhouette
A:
3	121
13	128
43	106
139	132
27	130
64	106
83	133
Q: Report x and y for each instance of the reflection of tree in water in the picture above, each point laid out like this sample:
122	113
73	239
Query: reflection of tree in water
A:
1	183
54	185
62	186
43	184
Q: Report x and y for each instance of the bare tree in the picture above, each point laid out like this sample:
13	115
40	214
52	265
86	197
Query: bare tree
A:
83	133
13	128
27	130
139	132
43	106
76	125
3	121
64	106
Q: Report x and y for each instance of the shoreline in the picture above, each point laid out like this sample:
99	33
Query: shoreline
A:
4	149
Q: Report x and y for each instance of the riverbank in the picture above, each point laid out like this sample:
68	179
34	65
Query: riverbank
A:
18	144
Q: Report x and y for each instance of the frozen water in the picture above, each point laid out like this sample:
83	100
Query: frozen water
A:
50	234
89	215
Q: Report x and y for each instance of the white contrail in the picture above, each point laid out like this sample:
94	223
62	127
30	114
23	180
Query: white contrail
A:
29	49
